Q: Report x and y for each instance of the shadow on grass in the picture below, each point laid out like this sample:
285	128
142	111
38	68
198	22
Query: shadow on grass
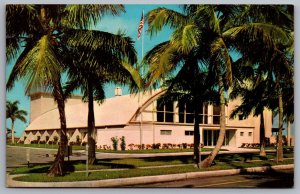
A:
182	159
107	163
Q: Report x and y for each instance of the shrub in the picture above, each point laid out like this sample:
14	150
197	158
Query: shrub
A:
184	145
131	146
148	146
123	143
115	142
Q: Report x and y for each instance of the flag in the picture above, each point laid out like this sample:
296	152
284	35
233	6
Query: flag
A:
141	26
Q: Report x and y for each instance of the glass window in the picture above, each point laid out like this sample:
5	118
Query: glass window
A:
216	114
166	132
169	112
189	133
160	111
249	133
241	133
181	112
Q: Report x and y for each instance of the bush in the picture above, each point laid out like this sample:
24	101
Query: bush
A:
131	146
115	142
156	146
123	143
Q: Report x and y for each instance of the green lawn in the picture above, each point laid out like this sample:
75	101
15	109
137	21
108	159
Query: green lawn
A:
133	163
149	151
78	147
100	175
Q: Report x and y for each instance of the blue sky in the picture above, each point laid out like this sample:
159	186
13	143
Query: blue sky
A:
127	22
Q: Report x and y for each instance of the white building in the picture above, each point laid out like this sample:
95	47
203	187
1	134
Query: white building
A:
170	123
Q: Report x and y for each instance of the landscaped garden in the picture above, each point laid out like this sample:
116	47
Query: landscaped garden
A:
135	167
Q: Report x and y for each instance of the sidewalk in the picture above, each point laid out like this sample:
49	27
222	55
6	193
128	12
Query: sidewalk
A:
142	180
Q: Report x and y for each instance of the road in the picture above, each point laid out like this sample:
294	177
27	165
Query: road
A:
279	179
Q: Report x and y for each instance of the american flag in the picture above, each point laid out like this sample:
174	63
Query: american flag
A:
141	26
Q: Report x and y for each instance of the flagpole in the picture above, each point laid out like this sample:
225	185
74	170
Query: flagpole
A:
142	75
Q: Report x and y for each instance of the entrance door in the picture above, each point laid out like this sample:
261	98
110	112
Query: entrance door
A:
210	137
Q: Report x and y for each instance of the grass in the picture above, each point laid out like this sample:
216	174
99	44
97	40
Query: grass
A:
78	147
100	175
270	147
149	151
133	163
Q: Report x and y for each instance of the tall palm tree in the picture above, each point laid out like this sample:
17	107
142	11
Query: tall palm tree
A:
89	70
191	85
275	56
40	30
206	29
256	95
13	113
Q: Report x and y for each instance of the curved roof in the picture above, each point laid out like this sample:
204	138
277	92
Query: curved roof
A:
118	110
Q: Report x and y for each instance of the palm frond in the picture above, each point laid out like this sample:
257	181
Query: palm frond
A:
160	17
38	66
20	21
268	34
186	37
82	16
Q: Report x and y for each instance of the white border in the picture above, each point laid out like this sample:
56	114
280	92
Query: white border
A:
3	189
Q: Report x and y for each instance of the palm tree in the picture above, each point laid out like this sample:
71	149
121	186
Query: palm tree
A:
40	30
275	56
13	113
89	70
206	29
256	94
191	85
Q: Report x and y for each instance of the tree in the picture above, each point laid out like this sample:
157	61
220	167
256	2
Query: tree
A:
275	54
256	95
89	70
206	29
13	113
39	29
190	84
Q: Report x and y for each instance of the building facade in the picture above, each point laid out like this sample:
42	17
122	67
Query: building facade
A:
141	119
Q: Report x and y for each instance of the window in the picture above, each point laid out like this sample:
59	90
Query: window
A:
189	117
165	111
160	111
181	112
169	112
166	132
189	133
249	134
216	114
241	134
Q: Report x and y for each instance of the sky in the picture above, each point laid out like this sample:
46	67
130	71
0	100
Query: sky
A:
127	22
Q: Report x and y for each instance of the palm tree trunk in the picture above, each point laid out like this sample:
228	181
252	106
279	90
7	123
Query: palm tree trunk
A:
91	126
209	160
196	132
12	131
280	127
262	135
57	168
